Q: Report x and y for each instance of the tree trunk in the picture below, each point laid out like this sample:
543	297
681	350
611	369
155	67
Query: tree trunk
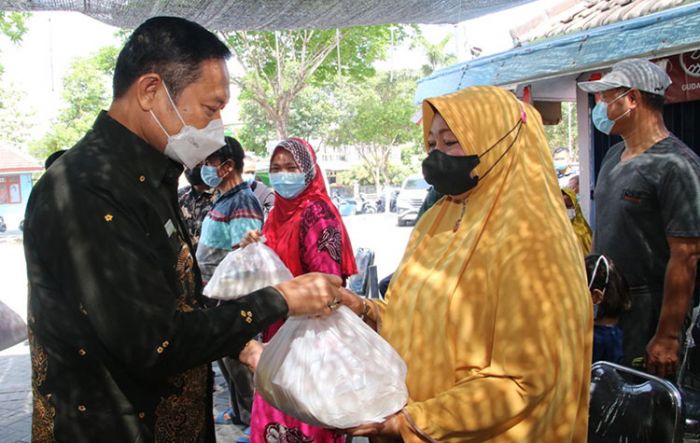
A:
377	178
281	126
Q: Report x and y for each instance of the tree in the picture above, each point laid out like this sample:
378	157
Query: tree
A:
86	91
312	113
436	54
278	65
377	120
15	119
13	25
566	132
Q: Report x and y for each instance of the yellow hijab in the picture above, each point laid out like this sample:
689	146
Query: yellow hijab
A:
581	228
494	320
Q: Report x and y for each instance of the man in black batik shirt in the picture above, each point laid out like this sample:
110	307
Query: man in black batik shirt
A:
120	345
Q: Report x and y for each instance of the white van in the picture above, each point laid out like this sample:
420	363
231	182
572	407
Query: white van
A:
413	191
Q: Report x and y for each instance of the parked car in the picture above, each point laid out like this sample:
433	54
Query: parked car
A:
3	226
410	198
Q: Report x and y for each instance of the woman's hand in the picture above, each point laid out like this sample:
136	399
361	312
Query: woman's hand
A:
389	427
250	355
352	301
364	308
250	238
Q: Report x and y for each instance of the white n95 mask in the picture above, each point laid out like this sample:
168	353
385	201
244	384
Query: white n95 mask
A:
191	145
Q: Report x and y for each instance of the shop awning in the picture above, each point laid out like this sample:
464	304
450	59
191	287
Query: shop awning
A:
664	33
227	15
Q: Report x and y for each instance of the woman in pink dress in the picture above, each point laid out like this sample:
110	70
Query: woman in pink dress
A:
305	229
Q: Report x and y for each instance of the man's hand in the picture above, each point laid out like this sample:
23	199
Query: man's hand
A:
312	294
662	355
389	427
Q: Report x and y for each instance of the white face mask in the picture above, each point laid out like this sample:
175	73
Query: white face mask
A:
571	212
191	145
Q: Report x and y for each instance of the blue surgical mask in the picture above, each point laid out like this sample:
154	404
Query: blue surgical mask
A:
210	176
599	115
288	184
560	165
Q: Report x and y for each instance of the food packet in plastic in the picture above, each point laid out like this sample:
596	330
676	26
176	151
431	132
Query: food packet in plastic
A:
333	372
246	270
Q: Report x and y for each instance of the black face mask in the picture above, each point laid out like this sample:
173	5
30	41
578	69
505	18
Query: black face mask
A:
452	175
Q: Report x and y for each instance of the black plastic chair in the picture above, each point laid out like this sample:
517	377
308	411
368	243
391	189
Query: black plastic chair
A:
689	379
632	406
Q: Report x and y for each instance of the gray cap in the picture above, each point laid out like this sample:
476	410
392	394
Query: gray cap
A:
634	73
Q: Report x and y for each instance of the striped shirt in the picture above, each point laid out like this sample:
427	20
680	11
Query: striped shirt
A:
234	213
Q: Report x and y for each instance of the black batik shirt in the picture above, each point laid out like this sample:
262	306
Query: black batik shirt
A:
195	206
119	343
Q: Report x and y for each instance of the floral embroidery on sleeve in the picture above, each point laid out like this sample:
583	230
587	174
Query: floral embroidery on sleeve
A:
330	241
321	240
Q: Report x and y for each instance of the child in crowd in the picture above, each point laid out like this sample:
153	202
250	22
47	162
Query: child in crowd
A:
610	295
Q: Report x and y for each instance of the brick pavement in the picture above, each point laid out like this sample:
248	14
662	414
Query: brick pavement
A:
15	397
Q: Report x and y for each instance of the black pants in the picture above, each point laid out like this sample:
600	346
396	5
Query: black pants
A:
639	323
240	384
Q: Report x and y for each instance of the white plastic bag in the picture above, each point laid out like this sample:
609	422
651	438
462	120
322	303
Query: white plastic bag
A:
246	270
333	372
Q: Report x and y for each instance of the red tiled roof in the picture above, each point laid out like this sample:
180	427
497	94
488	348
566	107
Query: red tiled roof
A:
567	16
14	160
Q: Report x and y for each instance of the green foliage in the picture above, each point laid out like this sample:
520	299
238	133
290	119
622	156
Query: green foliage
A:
358	174
379	111
435	53
376	119
279	65
312	113
15	119
359	48
413	154
257	129
86	91
362	174
13	25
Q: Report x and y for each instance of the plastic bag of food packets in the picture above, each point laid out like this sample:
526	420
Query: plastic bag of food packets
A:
333	372
246	270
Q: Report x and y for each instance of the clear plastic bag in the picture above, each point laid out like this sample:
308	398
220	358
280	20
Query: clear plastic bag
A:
246	270
333	372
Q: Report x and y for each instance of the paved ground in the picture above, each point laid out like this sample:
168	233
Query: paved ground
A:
16	397
377	231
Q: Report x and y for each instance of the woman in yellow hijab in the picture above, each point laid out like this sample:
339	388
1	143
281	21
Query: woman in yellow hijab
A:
578	221
489	307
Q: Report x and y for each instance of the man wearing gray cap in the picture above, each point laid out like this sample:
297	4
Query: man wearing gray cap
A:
647	201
